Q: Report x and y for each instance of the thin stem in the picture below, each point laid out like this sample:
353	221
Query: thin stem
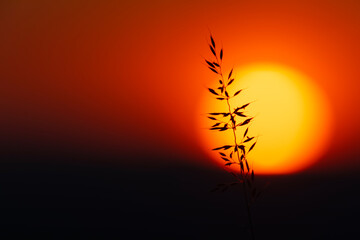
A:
243	176
244	181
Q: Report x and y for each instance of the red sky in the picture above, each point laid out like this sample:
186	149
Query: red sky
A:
125	77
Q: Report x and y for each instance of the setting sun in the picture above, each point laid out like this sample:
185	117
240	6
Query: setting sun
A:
292	118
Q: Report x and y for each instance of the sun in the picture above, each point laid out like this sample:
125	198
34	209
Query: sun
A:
292	118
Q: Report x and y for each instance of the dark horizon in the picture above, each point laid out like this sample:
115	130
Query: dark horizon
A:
61	200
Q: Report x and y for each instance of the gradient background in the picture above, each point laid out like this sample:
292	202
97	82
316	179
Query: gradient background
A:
98	103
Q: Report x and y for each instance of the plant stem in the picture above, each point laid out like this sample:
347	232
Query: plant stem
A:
252	235
244	182
248	212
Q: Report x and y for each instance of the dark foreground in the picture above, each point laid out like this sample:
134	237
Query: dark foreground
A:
64	201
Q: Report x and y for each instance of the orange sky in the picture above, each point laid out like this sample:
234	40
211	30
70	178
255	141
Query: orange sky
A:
122	76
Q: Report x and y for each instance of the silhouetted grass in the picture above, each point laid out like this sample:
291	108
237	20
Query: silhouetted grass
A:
234	118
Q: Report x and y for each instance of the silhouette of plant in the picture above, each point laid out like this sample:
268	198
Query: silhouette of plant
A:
233	119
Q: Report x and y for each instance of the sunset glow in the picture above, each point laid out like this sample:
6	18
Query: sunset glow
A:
137	119
84	75
292	119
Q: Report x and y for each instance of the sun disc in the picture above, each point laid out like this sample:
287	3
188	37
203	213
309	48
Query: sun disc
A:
292	118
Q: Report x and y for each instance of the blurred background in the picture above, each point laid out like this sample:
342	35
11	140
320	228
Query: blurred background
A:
98	103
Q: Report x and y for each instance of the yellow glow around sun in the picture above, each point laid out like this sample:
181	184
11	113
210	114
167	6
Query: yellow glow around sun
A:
292	118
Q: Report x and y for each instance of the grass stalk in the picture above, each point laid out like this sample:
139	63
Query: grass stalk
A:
246	175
